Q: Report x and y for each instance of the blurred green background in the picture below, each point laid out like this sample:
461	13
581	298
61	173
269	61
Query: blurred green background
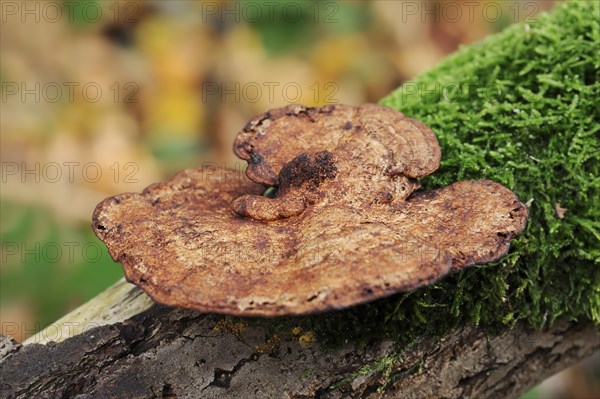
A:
103	97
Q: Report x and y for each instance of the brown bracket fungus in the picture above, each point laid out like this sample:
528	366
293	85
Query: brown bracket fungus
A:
347	224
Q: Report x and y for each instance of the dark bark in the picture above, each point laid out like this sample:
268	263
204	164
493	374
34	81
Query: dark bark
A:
164	352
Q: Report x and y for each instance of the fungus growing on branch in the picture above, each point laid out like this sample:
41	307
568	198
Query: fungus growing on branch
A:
347	224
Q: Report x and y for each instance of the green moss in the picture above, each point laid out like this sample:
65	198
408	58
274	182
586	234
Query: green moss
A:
521	109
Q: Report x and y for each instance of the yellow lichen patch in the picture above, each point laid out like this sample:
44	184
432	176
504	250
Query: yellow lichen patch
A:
307	338
226	325
269	346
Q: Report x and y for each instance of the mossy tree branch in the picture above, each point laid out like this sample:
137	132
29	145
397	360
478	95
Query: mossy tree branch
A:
520	109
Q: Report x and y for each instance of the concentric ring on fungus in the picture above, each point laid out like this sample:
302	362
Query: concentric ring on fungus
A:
346	226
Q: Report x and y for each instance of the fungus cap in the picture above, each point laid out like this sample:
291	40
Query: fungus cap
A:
346	226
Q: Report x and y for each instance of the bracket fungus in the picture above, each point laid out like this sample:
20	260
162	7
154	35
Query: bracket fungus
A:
348	223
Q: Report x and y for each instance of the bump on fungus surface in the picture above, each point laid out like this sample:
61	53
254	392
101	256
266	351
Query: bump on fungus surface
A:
347	224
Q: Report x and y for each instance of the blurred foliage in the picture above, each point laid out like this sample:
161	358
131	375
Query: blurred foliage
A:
55	266
288	33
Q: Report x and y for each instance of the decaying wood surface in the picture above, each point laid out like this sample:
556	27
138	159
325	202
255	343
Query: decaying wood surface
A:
138	350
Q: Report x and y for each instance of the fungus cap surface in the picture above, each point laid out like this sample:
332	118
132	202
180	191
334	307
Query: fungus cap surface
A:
345	227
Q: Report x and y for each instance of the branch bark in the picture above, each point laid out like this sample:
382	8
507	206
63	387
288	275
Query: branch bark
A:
137	350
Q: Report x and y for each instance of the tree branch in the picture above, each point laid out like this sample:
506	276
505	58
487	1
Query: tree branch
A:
166	352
